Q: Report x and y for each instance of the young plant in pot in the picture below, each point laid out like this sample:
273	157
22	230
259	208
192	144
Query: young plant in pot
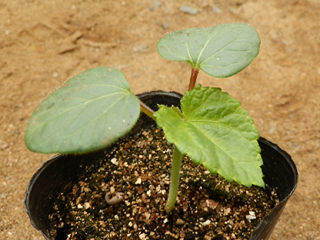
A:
96	116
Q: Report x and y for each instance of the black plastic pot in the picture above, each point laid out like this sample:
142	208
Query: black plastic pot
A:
279	170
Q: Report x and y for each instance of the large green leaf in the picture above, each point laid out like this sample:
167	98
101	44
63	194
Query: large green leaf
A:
219	51
89	112
213	130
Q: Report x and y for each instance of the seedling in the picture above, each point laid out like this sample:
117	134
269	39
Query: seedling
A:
95	108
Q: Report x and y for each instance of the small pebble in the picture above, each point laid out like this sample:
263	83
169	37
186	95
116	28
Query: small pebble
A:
187	9
86	205
138	181
206	223
165	25
216	9
142	236
4	146
272	130
180	221
140	47
251	215
114	161
211	203
157	3
3	195
234	11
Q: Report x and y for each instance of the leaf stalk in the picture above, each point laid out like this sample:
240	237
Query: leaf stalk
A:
147	110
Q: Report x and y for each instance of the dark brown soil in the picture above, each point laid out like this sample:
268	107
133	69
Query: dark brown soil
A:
44	43
208	207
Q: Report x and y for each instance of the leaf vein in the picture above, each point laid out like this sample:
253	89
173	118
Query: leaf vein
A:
221	49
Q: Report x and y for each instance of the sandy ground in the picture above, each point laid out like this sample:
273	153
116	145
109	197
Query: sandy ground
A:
44	42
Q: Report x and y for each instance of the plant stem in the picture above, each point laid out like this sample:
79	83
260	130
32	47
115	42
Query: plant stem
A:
193	78
174	181
145	109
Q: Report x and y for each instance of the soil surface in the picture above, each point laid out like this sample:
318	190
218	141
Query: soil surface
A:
44	43
124	196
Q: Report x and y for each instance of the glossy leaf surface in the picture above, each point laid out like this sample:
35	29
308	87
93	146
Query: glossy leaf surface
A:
214	130
219	51
90	111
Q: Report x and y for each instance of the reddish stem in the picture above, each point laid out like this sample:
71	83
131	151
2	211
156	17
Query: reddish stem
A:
193	78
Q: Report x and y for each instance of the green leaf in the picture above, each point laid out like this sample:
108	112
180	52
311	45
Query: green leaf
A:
219	51
90	111
213	130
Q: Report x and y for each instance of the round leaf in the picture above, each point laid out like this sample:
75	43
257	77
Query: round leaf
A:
89	112
213	130
219	51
